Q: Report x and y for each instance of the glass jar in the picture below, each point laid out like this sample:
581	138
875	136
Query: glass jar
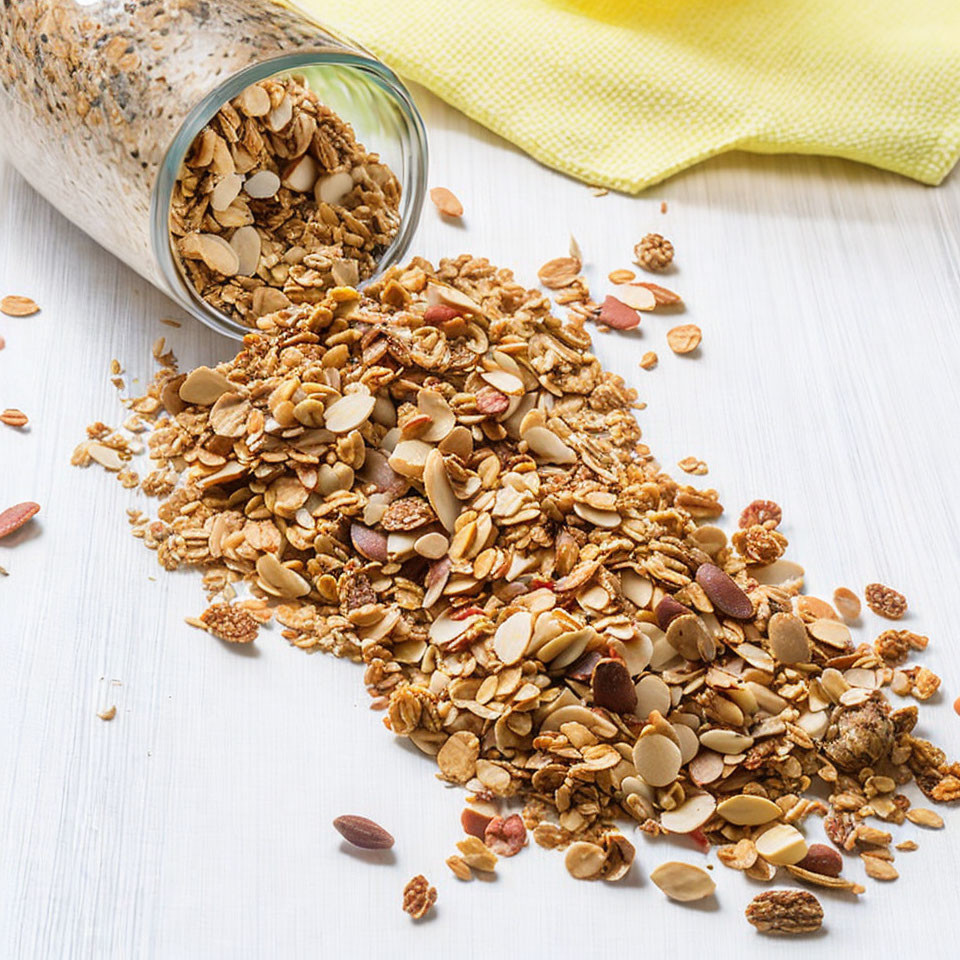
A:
101	101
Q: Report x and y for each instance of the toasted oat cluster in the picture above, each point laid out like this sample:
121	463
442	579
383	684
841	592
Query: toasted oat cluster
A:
277	202
438	479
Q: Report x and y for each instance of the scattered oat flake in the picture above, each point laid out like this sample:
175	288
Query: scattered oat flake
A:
14	306
878	868
621	276
559	272
908	846
693	465
923	817
649	360
3	343
885	601
684	338
599	191
418	897
108	714
13	417
13	518
663	206
956	706
446	202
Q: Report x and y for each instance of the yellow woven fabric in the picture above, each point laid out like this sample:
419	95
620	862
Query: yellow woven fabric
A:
624	93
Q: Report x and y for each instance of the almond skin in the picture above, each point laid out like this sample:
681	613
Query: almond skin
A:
474	822
723	592
362	832
613	687
669	609
822	859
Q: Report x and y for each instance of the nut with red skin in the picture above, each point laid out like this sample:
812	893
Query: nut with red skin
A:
13	518
506	837
669	609
440	313
614	313
492	402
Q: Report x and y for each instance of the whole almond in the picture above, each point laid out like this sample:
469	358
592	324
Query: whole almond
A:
613	687
822	859
723	592
362	832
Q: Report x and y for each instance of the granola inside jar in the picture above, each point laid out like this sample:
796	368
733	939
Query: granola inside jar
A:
110	108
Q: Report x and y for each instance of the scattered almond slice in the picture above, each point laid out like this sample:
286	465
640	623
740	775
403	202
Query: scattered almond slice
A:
663	296
445	201
16	306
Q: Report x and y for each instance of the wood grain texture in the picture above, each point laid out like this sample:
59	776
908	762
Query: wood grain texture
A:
197	823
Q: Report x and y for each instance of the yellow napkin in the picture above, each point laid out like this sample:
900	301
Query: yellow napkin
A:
624	93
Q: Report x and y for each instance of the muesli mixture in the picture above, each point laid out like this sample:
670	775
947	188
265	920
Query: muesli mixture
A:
276	203
437	479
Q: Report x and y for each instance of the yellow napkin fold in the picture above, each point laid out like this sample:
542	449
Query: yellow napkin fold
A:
623	94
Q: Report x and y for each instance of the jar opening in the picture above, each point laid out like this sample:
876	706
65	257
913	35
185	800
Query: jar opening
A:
364	94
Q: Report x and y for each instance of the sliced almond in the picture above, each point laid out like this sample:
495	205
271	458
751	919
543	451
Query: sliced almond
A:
301	174
246	243
584	860
782	844
683	881
333	188
409	458
204	386
442	419
726	741
226	191
748	810
107	457
439	491
512	638
657	759
690	815
546	445
262	185
433	546
349	412
636	296
280	580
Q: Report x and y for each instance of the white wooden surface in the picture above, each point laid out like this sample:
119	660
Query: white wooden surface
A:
197	823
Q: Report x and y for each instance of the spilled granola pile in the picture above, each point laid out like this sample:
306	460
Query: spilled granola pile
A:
276	203
436	478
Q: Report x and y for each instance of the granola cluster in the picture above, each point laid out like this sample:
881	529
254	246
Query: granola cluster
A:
276	203
437	478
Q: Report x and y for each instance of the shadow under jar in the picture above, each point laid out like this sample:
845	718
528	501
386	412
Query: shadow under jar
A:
146	123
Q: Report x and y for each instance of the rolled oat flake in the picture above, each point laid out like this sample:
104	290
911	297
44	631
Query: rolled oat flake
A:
202	120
